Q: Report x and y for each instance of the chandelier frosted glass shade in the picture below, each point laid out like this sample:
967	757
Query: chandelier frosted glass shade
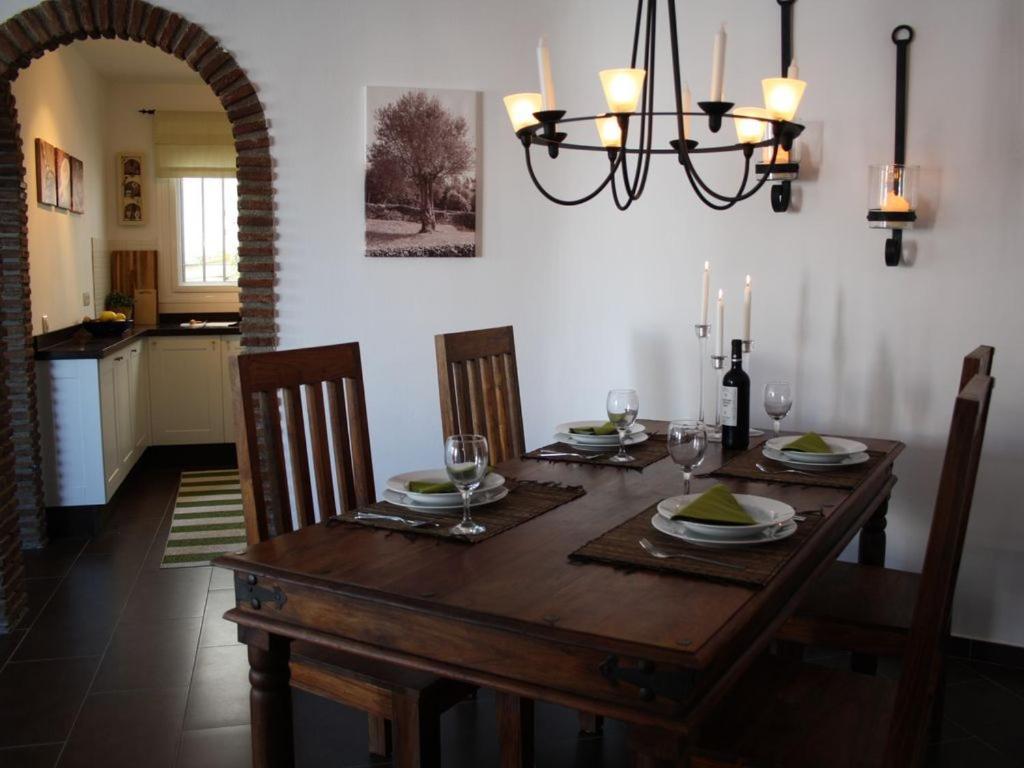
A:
782	96
622	88
521	108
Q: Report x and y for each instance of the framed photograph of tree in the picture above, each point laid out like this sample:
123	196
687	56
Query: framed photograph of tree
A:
421	172
46	173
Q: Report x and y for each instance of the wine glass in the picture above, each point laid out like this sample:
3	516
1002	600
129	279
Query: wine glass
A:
622	406
465	461
778	399
687	441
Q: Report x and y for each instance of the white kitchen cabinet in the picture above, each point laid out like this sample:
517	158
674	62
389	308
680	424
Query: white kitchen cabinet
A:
186	390
229	349
138	367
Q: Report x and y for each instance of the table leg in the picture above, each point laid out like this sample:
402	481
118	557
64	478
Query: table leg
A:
270	702
871	551
515	730
590	724
871	547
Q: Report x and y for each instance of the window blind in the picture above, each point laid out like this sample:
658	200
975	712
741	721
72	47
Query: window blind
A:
193	144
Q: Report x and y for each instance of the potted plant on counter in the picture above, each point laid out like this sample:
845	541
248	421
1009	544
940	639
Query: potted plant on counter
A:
120	302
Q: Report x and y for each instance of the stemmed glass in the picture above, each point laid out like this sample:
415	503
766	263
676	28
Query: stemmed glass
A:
778	399
465	461
622	406
687	441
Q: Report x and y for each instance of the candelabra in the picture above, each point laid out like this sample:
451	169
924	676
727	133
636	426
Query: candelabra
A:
703	330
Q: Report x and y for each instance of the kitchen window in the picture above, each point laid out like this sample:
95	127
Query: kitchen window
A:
208	236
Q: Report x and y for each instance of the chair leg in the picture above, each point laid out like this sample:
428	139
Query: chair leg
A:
515	730
379	736
416	731
589	723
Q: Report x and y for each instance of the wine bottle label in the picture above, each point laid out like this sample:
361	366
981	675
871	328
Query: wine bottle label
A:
730	396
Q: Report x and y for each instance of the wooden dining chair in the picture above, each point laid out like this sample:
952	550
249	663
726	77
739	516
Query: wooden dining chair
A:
783	712
862	608
303	457
479	388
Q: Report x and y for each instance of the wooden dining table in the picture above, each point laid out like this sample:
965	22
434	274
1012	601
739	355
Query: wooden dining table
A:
513	613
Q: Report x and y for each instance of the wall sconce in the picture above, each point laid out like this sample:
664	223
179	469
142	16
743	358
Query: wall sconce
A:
777	91
892	188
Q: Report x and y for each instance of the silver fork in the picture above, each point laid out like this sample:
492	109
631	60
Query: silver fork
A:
763	468
655	551
587	456
396	519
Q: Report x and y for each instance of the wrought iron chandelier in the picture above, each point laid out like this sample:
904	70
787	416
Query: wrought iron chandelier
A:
630	96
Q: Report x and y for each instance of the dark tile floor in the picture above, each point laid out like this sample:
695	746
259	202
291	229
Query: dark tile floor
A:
120	663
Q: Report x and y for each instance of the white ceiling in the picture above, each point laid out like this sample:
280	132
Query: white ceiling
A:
127	61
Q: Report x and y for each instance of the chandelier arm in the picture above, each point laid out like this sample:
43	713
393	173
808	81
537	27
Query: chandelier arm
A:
676	75
617	200
692	173
578	201
729	202
636	188
636	31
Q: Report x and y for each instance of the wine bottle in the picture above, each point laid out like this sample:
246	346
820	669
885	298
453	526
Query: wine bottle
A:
736	402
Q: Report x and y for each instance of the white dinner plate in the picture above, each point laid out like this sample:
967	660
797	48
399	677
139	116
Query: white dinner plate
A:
791	461
479	499
612	439
400	484
677	531
767	513
634	439
841	447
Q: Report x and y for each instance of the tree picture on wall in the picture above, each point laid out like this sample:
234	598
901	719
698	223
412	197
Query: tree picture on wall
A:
46	173
421	172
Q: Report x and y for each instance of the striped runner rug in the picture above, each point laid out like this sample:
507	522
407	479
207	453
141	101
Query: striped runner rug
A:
207	519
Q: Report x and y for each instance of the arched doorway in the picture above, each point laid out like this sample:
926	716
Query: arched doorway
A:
27	36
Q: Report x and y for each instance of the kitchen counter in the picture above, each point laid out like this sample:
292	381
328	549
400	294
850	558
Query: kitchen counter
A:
82	346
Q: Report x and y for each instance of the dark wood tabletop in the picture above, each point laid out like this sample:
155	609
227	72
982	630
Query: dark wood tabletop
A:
514	613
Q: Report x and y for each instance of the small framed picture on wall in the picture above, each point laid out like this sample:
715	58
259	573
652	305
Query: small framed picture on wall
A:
130	189
46	173
63	161
77	186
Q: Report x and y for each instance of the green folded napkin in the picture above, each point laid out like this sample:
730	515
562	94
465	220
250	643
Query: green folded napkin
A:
605	429
717	506
809	443
436	486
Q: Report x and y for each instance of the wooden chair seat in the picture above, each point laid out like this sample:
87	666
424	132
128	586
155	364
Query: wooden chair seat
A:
792	715
855	607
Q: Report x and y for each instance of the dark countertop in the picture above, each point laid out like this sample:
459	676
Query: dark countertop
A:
82	346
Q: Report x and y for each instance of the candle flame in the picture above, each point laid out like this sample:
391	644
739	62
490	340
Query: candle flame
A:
707	265
721	293
748	279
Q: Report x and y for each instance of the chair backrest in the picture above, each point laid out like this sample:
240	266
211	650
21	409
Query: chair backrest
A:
479	387
922	661
294	409
978	361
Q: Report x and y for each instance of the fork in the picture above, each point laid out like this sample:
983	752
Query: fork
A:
587	456
763	468
655	551
396	519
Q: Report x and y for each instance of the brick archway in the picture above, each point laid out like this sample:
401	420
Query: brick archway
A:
28	36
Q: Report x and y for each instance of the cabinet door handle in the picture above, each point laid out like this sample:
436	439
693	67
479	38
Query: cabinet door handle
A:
119	357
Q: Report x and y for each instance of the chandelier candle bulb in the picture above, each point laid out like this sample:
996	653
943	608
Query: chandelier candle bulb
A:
704	293
547	82
720	340
520	108
718	65
622	88
687	107
747	294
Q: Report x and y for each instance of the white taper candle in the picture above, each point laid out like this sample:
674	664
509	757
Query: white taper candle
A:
547	83
746	310
704	293
687	107
721	323
718	66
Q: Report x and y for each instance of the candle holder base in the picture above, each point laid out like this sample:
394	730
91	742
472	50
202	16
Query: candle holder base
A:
715	110
702	331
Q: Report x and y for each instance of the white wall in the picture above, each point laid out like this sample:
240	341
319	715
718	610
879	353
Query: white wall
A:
600	299
127	130
61	100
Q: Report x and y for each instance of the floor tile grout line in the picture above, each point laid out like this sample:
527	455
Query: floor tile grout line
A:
195	663
106	648
35	618
35	744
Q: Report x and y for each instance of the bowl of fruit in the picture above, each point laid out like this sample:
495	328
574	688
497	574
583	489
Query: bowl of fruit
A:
107	324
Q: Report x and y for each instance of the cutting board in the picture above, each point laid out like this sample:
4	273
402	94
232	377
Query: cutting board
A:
145	306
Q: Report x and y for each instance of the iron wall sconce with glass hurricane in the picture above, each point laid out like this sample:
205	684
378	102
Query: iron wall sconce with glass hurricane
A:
892	187
625	133
778	92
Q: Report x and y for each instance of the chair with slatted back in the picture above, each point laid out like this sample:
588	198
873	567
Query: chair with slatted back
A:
783	712
303	407
862	608
479	388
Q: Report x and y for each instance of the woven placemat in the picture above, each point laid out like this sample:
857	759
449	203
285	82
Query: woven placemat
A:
743	465
644	454
757	565
526	500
